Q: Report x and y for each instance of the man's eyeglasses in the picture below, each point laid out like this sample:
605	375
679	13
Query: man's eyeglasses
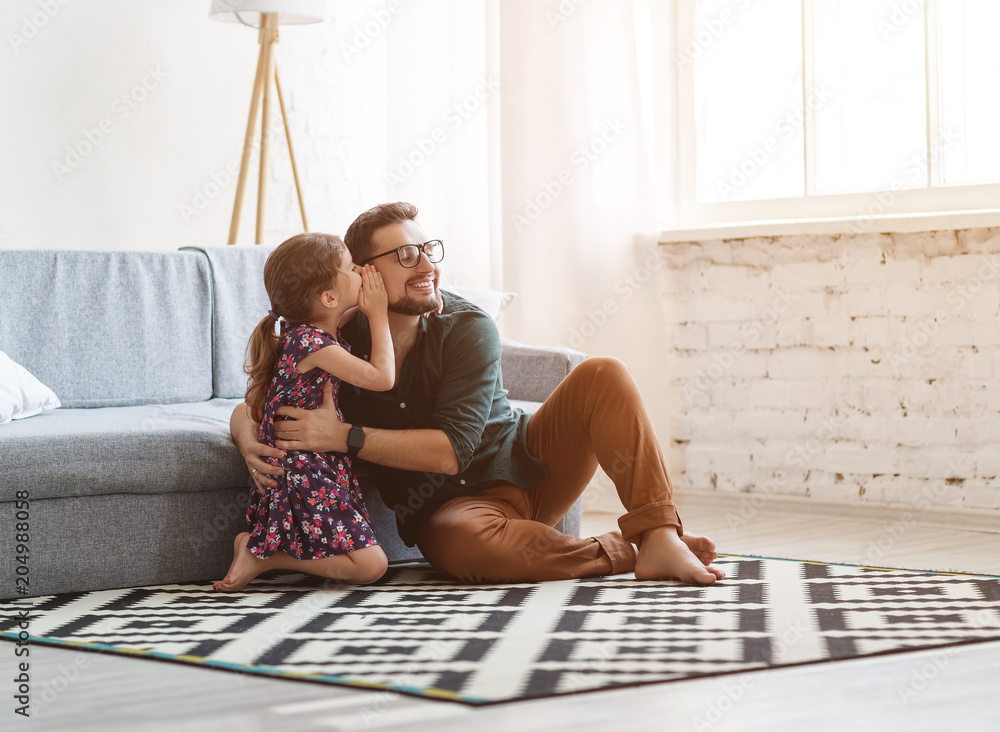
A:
409	254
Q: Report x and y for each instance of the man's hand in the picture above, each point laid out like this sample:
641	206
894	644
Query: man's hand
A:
440	308
254	453
314	430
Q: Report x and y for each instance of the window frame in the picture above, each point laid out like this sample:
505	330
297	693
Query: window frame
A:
862	212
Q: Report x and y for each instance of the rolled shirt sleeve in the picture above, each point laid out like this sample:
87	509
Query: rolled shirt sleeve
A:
470	373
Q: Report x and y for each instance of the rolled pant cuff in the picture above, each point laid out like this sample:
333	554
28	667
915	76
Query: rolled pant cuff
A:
651	516
620	552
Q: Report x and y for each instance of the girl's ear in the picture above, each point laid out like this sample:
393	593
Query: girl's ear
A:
328	299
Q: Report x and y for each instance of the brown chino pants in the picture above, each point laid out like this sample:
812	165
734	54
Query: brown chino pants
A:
595	416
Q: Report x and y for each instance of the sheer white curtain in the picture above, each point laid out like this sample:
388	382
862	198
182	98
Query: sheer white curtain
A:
579	237
441	102
549	194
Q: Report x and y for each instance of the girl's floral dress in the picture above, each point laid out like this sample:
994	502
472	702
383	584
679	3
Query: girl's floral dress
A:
317	509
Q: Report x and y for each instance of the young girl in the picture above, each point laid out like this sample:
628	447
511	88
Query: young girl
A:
315	521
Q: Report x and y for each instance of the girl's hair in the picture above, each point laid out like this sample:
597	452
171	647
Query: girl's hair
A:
295	275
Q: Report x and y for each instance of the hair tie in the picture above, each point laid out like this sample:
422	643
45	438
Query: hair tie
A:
281	324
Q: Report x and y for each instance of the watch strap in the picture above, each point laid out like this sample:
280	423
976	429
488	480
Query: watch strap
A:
355	439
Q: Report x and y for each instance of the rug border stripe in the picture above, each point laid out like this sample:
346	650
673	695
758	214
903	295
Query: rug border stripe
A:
862	566
185	660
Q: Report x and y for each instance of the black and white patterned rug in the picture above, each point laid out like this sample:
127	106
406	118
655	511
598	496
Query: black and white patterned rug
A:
418	632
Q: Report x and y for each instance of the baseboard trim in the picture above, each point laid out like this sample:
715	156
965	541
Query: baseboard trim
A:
946	517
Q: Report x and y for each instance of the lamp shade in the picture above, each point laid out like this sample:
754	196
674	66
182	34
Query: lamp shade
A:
290	12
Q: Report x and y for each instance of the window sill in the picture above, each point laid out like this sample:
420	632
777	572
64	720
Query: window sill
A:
856	225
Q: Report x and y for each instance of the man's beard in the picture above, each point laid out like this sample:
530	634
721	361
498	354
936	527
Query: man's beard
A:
407	305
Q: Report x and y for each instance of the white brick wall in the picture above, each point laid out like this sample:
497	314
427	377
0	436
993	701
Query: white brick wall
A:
845	368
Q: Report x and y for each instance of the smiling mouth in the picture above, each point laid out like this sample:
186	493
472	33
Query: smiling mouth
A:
422	285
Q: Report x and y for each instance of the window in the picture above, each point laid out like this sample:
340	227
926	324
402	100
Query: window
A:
799	109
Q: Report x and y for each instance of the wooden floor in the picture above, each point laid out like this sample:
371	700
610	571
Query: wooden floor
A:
932	690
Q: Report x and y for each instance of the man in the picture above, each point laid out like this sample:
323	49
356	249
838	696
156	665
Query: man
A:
476	485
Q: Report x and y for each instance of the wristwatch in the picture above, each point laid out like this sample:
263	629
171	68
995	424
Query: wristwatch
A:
355	439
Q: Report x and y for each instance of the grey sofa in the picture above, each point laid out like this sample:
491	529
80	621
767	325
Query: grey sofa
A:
135	480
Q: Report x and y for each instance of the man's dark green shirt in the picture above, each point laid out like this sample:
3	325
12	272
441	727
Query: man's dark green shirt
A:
450	381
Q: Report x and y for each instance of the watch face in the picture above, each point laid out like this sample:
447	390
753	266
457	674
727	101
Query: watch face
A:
356	438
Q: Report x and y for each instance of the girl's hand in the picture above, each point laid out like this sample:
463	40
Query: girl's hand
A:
372	300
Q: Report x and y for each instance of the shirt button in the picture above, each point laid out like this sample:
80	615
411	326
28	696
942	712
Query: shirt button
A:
402	405
462	482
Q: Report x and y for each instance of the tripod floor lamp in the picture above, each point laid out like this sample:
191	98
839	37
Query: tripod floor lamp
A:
269	13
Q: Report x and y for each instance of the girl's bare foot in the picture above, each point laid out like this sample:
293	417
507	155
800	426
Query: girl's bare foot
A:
244	568
664	555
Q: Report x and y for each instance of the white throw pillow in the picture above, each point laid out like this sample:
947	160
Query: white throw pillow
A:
491	301
21	394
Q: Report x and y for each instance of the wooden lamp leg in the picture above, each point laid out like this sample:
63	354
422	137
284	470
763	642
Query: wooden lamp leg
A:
291	151
234	225
267	69
270	37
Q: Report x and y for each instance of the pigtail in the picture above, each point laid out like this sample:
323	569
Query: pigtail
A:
263	352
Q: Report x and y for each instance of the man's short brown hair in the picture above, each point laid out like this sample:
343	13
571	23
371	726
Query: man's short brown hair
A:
360	236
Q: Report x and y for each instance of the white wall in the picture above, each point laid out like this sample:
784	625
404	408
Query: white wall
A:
159	174
848	369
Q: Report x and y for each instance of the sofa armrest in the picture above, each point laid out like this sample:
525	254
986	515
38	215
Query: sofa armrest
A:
531	373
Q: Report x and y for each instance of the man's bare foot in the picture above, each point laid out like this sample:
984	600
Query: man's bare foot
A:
244	568
702	547
664	555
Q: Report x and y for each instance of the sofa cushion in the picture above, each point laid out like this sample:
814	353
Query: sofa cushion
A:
533	372
21	394
109	328
144	449
492	302
240	301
